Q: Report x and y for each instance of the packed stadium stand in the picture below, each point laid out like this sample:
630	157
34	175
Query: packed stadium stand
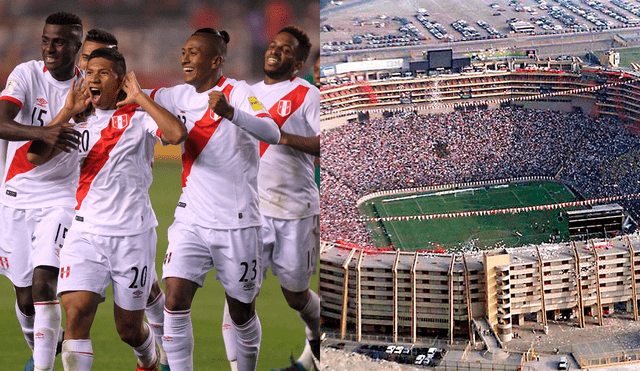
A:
565	121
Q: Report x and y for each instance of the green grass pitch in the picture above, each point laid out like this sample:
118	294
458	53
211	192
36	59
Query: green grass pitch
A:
282	330
480	231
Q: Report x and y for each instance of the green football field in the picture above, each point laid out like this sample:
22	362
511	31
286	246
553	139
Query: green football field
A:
479	231
282	330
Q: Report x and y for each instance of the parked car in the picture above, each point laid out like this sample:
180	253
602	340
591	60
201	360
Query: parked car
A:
562	365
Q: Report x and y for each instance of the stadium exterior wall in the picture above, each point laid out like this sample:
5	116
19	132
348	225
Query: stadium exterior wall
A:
406	294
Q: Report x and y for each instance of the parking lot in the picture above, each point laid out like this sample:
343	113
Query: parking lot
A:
357	25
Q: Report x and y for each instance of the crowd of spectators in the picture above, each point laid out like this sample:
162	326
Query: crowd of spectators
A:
598	157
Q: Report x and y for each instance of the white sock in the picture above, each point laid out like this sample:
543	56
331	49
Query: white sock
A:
155	316
77	355
46	327
306	358
229	335
146	352
248	338
26	322
234	365
178	339
310	315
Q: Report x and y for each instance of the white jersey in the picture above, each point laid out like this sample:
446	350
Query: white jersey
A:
116	155
286	179
219	159
40	98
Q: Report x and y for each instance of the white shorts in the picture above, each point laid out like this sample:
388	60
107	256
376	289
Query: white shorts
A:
31	238
90	262
291	247
235	254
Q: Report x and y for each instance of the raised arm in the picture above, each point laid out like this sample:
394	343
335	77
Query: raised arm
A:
173	132
262	128
77	100
309	145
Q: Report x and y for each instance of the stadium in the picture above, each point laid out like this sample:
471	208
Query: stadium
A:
436	267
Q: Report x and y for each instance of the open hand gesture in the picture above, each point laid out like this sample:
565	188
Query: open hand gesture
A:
132	88
78	98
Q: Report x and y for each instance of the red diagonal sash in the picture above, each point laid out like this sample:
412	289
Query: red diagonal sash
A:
99	153
19	163
296	96
198	138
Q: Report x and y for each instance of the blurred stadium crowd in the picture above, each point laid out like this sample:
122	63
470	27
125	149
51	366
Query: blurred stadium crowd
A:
599	158
152	32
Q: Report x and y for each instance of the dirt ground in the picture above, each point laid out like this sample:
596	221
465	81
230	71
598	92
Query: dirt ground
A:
339	360
562	336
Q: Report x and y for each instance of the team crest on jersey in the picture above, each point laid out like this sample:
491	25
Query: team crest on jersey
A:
41	102
284	108
256	104
11	84
214	116
64	272
120	122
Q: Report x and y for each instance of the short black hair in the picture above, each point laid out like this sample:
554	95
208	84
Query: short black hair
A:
224	35
65	19
113	56
102	37
304	45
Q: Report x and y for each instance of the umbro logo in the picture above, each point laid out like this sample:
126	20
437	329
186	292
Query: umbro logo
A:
39	335
42	102
137	294
167	338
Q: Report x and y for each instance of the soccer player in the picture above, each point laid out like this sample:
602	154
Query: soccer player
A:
95	39
36	204
155	305
112	238
289	198
217	221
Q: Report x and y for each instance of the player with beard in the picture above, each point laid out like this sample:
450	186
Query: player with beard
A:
154	311
36	204
289	199
217	221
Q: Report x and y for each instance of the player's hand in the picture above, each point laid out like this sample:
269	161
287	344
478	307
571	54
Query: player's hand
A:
132	88
219	104
61	136
78	98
